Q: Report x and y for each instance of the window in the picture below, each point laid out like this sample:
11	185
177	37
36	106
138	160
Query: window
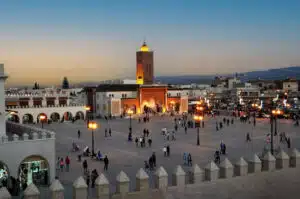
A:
178	94
169	94
98	106
289	86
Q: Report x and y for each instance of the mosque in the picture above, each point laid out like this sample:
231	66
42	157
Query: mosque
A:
117	99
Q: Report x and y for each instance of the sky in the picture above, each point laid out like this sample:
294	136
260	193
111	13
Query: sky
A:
94	40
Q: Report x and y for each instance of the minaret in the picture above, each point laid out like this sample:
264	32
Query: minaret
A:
144	65
3	77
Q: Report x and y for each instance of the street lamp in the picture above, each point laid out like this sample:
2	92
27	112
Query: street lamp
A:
198	119
42	118
93	126
87	110
274	120
130	112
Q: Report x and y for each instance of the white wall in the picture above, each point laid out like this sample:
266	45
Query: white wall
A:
12	153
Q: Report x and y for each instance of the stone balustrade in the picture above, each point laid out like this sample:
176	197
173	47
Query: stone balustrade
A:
196	175
19	132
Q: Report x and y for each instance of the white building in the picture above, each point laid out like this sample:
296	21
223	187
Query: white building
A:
26	153
290	85
56	104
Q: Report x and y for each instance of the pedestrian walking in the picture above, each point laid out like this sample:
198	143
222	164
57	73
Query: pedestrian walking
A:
67	161
105	163
189	160
85	165
168	150
78	133
87	178
248	139
136	142
105	132
185	129
154	159
109	131
61	164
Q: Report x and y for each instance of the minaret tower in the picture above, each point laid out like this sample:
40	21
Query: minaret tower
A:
3	77
144	65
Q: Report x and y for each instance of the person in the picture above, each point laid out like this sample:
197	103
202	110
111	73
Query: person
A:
248	139
58	163
232	121
173	135
106	163
149	142
85	165
165	151
78	134
168	150
217	157
86	151
61	164
94	176
109	132
67	160
189	159
185	129
87	175
154	159
105	132
136	141
75	147
99	156
184	158
150	163
130	137
288	141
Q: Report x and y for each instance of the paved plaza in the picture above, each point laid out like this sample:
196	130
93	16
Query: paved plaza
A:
124	155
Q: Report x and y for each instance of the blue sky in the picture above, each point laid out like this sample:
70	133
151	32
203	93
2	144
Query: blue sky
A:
97	39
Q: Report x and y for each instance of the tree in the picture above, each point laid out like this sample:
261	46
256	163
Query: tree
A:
36	86
65	83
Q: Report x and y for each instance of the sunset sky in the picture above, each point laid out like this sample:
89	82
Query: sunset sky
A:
90	40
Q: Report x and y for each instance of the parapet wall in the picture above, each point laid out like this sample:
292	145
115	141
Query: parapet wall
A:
181	179
24	141
25	132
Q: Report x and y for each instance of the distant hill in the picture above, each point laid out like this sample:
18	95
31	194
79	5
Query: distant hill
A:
271	74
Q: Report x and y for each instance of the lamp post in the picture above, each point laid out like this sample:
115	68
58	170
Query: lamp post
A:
42	118
198	119
274	120
87	110
201	109
93	126
130	112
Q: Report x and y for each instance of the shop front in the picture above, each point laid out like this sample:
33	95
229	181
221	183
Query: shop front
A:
34	169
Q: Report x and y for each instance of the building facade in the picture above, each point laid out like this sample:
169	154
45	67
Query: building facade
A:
56	104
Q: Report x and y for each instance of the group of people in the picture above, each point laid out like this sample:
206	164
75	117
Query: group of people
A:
63	164
151	163
187	159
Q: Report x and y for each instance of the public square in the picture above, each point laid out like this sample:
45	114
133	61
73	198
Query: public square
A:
124	155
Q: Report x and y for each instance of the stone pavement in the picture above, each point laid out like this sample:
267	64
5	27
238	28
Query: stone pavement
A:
124	155
279	184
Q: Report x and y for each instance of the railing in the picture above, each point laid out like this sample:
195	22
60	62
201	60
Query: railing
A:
40	106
